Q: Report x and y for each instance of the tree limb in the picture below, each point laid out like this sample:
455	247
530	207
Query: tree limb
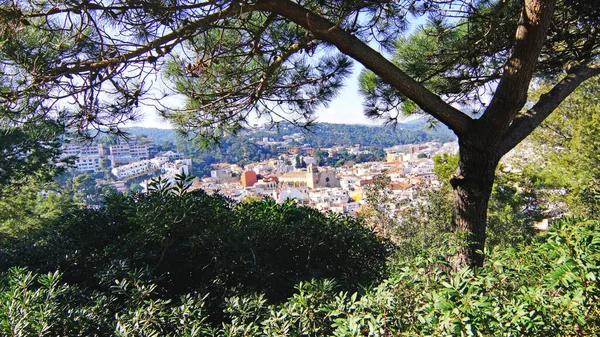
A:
511	93
371	59
174	37
523	125
285	55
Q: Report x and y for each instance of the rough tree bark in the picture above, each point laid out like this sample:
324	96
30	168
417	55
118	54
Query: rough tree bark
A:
472	186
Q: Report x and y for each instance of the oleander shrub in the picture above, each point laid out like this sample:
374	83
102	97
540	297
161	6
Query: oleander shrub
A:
547	288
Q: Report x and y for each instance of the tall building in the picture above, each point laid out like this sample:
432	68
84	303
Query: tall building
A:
86	157
88	164
125	153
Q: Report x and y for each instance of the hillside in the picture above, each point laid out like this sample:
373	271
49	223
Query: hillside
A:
327	135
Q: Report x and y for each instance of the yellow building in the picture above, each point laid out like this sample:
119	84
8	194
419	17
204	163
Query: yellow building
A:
311	178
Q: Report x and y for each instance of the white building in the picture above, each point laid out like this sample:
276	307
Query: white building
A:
126	153
139	151
347	182
87	158
332	195
181	166
88	164
220	173
134	169
169	155
78	150
296	193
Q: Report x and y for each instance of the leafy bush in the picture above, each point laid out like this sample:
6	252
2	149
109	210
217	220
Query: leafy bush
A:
548	288
192	264
197	242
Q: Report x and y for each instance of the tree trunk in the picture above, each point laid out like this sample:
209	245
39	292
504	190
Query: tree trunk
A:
472	186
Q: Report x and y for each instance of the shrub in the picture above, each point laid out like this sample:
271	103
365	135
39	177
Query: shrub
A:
545	288
197	242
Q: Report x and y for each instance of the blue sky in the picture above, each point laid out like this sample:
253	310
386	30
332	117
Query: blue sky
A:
344	109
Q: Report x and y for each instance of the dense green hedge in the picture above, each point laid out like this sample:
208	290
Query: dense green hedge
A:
194	242
548	288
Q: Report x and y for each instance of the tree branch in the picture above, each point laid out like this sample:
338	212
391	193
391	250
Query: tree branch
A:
174	37
511	93
285	55
523	125
371	59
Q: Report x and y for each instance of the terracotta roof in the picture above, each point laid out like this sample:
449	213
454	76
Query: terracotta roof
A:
399	186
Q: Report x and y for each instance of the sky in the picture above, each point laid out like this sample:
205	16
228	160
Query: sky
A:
344	109
347	108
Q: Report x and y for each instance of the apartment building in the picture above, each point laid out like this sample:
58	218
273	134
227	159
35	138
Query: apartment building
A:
134	169
125	153
87	157
88	164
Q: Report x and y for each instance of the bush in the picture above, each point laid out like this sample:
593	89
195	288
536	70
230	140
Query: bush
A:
247	255
548	288
192	242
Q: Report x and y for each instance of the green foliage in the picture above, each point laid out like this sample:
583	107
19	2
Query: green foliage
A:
28	154
30	209
44	305
512	209
32	305
424	224
456	53
328	135
344	158
444	167
413	225
191	241
568	144
546	288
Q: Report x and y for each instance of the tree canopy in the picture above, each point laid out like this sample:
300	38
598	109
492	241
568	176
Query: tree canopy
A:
233	57
568	144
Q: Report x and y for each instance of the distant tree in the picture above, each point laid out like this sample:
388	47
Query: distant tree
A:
568	147
83	185
30	207
27	167
378	213
105	163
365	157
166	146
321	153
28	154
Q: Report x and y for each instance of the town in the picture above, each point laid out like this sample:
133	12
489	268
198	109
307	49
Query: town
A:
293	174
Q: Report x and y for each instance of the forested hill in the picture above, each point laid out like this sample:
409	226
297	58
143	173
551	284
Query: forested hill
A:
326	135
